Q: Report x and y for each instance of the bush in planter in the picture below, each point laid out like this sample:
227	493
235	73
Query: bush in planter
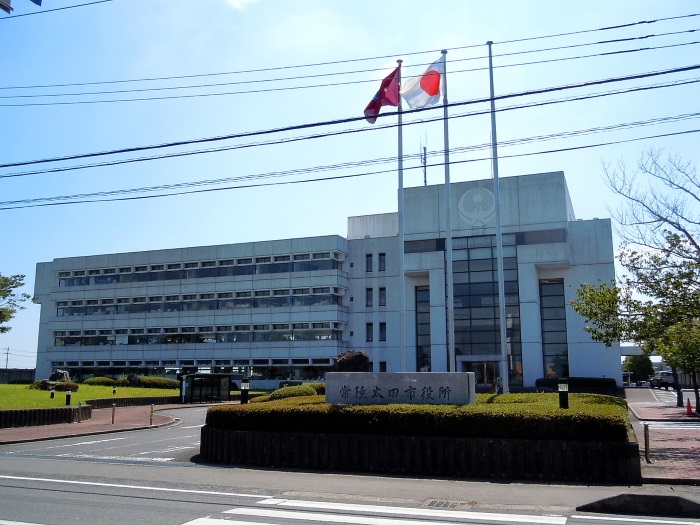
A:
520	416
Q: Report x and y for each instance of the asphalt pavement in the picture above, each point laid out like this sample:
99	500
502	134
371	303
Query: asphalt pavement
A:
673	435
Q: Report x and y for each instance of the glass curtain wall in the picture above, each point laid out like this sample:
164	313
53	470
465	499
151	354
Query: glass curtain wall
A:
476	308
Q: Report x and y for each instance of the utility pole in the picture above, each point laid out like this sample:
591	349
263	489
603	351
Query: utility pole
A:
7	357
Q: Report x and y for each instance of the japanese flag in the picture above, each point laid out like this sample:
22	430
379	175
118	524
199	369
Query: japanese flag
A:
425	90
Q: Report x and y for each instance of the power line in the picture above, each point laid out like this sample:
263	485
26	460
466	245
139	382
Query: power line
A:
53	10
351	119
293	88
355	175
380	57
327	134
354	164
322	75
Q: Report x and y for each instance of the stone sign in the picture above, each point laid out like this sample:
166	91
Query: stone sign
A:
431	388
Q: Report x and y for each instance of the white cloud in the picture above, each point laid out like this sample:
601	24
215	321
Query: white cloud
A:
241	4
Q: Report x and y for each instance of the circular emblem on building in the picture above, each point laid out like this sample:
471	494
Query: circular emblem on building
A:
477	207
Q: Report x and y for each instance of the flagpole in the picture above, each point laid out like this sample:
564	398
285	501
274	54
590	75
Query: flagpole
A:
402	284
503	371
449	310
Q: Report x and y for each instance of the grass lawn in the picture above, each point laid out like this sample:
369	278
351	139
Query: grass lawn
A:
21	396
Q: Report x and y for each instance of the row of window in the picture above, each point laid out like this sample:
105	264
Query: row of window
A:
200	264
280	335
369	332
165	274
201	305
194	362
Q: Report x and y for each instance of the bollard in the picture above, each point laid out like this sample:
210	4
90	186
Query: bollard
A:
68	394
151	423
114	391
646	442
245	385
563	387
114	408
53	392
80	409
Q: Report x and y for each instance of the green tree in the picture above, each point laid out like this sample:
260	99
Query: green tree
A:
681	348
659	291
640	366
10	300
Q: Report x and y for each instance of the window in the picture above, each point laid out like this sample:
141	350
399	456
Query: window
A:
263	259
368	262
282	258
226	262
382	262
382	366
174	266
369	332
126	269
382	296
382	331
141	268
369	297
191	265
208	264
206	296
302	257
157	267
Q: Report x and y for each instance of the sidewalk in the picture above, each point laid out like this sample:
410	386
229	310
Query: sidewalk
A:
674	451
125	418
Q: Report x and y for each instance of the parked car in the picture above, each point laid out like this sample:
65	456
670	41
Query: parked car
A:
662	380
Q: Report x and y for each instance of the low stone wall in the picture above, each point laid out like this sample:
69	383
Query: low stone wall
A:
31	417
610	462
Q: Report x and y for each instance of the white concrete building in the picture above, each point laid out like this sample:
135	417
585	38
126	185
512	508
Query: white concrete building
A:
286	308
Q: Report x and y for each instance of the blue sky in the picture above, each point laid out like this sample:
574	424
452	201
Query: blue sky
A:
105	47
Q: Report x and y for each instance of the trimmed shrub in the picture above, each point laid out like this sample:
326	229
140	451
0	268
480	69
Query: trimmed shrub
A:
99	381
511	416
158	382
319	387
292	391
259	399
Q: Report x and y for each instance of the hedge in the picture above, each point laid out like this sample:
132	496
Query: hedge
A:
99	381
292	391
512	416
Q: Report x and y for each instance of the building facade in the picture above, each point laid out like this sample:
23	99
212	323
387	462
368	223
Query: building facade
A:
285	309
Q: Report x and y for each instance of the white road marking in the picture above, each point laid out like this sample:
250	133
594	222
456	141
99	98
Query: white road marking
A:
193	426
366	520
17	523
134	487
113	458
84	443
412	512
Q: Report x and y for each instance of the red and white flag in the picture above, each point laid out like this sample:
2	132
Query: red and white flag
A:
388	95
425	90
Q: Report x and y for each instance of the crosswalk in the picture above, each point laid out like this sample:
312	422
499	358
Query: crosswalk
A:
273	511
674	425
